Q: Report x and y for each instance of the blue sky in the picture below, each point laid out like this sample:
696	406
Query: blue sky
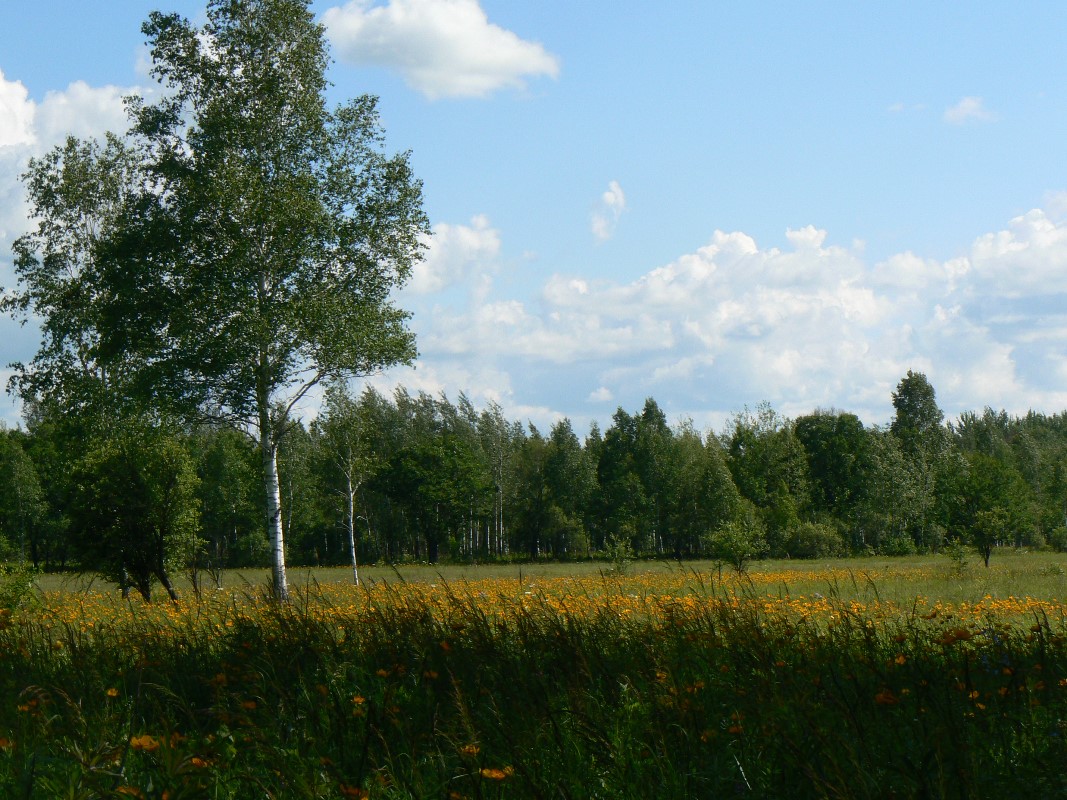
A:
711	204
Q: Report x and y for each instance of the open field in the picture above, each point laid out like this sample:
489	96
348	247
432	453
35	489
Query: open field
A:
899	579
868	678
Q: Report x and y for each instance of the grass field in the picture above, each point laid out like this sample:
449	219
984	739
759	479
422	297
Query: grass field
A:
918	677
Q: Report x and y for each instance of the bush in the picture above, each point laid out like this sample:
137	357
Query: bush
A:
815	540
899	544
18	585
1057	539
739	541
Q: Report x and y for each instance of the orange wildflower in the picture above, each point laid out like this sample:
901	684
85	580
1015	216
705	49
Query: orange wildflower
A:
144	742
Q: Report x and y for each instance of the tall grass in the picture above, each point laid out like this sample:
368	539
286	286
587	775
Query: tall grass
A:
674	683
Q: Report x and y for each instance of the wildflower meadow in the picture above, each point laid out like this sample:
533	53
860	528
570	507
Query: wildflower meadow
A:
906	678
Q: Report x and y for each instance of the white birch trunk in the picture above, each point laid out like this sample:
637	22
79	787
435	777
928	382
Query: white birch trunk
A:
352	527
274	512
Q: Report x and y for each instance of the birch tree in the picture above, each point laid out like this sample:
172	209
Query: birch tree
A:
342	434
285	226
258	251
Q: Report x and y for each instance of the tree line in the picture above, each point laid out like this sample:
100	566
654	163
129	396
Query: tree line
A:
420	478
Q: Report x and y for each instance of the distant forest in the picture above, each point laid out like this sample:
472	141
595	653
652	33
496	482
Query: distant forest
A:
420	478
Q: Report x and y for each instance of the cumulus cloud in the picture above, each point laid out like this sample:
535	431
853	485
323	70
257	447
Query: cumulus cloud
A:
443	48
969	109
456	253
601	395
16	114
609	209
80	110
809	325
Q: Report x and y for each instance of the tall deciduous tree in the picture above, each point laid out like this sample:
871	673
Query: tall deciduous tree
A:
925	444
258	256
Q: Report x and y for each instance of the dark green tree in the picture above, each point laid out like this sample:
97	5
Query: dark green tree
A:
134	507
621	503
992	504
570	479
918	418
22	502
925	443
839	461
230	491
770	469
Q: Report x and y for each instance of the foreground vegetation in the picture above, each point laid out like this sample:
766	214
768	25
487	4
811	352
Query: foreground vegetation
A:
851	681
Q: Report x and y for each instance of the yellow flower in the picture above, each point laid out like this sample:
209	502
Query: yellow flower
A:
493	774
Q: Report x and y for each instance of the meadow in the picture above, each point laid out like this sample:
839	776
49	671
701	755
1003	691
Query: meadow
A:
917	677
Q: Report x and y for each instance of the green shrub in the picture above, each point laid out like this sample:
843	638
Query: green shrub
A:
1057	539
814	540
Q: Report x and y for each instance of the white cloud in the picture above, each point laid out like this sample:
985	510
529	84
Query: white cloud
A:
16	114
811	325
609	209
456	253
969	109
80	110
443	48
601	395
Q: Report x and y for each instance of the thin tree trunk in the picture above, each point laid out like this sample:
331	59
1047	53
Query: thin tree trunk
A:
274	511
351	497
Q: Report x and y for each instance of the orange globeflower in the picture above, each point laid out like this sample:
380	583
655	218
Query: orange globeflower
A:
144	742
493	774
